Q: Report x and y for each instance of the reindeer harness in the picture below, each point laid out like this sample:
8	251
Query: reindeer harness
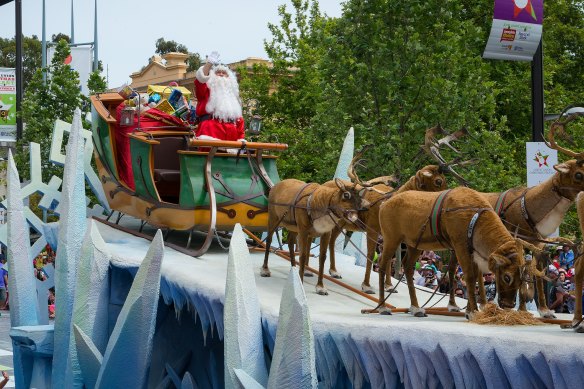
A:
436	216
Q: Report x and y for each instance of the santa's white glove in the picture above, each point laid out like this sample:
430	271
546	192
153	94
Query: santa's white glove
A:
213	58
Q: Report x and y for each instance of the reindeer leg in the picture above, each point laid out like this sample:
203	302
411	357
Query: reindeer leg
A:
411	256
324	242
577	320
383	310
452	307
388	285
542	308
291	243
304	245
482	293
264	270
334	234
471	308
371	243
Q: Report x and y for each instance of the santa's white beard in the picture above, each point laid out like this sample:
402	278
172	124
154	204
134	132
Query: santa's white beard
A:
224	101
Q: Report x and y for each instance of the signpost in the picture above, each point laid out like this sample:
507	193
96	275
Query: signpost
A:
7	105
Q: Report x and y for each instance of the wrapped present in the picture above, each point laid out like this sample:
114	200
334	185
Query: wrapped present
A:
165	107
165	91
127	92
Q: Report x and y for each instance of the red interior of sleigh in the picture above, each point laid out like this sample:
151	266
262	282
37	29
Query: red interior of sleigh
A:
152	120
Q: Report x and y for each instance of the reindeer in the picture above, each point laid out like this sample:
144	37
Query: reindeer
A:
459	219
535	213
429	178
309	210
577	322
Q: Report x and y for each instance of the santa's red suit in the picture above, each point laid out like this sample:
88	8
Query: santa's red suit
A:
214	123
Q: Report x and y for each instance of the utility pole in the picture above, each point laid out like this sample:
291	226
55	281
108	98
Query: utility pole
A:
19	89
537	104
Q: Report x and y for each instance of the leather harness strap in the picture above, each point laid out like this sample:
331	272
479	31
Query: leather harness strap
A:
471	227
296	200
500	202
435	218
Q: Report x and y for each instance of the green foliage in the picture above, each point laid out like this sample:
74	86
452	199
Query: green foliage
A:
96	83
163	47
43	103
31	56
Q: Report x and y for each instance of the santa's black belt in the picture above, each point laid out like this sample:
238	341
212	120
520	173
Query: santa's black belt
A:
209	117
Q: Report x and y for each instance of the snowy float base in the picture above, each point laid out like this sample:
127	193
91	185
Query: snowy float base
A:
352	349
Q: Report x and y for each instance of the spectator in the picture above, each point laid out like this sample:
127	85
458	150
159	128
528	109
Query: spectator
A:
458	292
490	287
428	278
566	257
3	283
5	379
558	295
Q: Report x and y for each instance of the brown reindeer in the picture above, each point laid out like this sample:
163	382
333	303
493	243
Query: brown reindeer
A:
577	322
430	178
308	211
535	213
459	219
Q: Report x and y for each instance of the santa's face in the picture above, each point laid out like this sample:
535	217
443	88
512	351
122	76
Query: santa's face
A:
224	102
221	73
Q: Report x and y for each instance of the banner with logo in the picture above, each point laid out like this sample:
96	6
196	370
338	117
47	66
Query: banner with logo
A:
7	105
516	30
540	162
81	60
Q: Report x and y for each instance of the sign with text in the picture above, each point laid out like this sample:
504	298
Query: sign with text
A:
516	30
80	60
540	162
7	105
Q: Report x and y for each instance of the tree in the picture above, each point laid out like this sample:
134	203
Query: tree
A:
56	38
31	59
163	47
42	104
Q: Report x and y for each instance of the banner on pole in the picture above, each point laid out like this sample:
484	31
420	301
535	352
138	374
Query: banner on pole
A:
516	30
540	162
80	60
7	105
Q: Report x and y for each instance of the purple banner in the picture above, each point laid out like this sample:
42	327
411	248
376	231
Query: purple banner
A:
525	11
516	30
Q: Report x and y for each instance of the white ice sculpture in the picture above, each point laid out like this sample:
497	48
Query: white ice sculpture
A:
90	312
293	362
23	303
242	316
58	158
72	226
127	355
341	172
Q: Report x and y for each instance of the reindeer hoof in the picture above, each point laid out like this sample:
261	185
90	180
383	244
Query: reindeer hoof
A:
546	313
335	274
417	311
469	315
384	311
321	290
308	274
265	272
453	308
578	326
367	289
389	288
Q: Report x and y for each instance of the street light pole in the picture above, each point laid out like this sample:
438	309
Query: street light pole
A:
19	89
537	104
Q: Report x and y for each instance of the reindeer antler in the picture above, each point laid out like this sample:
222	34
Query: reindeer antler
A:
432	146
559	125
358	161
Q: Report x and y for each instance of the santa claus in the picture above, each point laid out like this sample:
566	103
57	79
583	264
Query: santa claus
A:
218	102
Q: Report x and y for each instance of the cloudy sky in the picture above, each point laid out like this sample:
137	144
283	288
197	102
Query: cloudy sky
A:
128	29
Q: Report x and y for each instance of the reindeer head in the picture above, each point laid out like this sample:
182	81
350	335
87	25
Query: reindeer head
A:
430	178
571	173
508	264
349	200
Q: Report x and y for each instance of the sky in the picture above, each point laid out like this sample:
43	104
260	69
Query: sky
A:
128	29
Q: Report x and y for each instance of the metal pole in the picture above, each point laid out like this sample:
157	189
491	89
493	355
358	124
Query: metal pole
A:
537	109
19	89
72	24
95	46
44	45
